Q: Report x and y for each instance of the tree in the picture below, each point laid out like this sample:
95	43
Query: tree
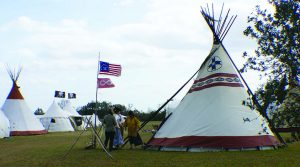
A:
271	95
103	108
278	39
278	57
89	109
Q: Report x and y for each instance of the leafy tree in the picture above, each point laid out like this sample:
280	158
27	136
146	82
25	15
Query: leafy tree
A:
146	116
277	56
278	39
101	108
270	95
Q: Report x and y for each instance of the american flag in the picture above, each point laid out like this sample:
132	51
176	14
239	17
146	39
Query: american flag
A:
110	69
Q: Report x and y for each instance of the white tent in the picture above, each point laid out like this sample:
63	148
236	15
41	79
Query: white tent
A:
4	125
91	118
70	109
56	119
21	118
213	114
75	117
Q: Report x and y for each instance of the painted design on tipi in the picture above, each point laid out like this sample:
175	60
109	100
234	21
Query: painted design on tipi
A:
21	118
215	63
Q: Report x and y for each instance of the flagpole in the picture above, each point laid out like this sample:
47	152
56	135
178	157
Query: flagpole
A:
96	104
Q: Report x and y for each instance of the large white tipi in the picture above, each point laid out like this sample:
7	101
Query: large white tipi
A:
21	118
4	125
214	115
56	119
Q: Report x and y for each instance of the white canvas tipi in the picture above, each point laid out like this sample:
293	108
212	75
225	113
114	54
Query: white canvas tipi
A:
71	110
76	119
213	114
56	119
4	125
21	118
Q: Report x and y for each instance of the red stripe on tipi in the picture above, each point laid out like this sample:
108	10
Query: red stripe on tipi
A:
15	92
26	133
216	141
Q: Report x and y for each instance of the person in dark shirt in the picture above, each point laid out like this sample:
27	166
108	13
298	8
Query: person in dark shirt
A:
110	125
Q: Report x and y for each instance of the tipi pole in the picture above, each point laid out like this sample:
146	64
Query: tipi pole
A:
76	140
219	20
89	123
255	100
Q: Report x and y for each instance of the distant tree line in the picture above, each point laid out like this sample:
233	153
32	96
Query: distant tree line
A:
102	108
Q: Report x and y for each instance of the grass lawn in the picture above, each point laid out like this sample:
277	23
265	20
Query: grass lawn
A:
49	150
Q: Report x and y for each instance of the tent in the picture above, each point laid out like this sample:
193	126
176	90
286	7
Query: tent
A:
56	119
215	115
4	125
91	118
21	118
70	110
77	120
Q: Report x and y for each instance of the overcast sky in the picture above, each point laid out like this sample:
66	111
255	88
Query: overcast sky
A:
159	43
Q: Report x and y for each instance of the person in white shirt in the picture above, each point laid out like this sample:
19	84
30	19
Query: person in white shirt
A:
118	139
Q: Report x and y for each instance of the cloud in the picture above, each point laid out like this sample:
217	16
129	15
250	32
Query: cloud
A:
158	52
123	2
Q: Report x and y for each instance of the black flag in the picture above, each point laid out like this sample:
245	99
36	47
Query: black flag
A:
71	95
59	94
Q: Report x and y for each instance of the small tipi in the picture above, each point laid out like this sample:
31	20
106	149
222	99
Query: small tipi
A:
4	125
21	118
214	115
76	119
71	110
56	119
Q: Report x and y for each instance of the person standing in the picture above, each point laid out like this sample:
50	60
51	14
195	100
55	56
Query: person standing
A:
110	125
118	139
133	124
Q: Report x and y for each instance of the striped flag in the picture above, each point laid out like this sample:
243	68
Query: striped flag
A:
110	69
105	83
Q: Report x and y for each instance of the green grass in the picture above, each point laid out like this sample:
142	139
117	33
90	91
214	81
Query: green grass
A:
48	150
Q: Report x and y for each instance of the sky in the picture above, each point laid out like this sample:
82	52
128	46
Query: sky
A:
160	44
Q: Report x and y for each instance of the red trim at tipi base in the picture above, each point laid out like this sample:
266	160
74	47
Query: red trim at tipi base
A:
27	133
226	142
